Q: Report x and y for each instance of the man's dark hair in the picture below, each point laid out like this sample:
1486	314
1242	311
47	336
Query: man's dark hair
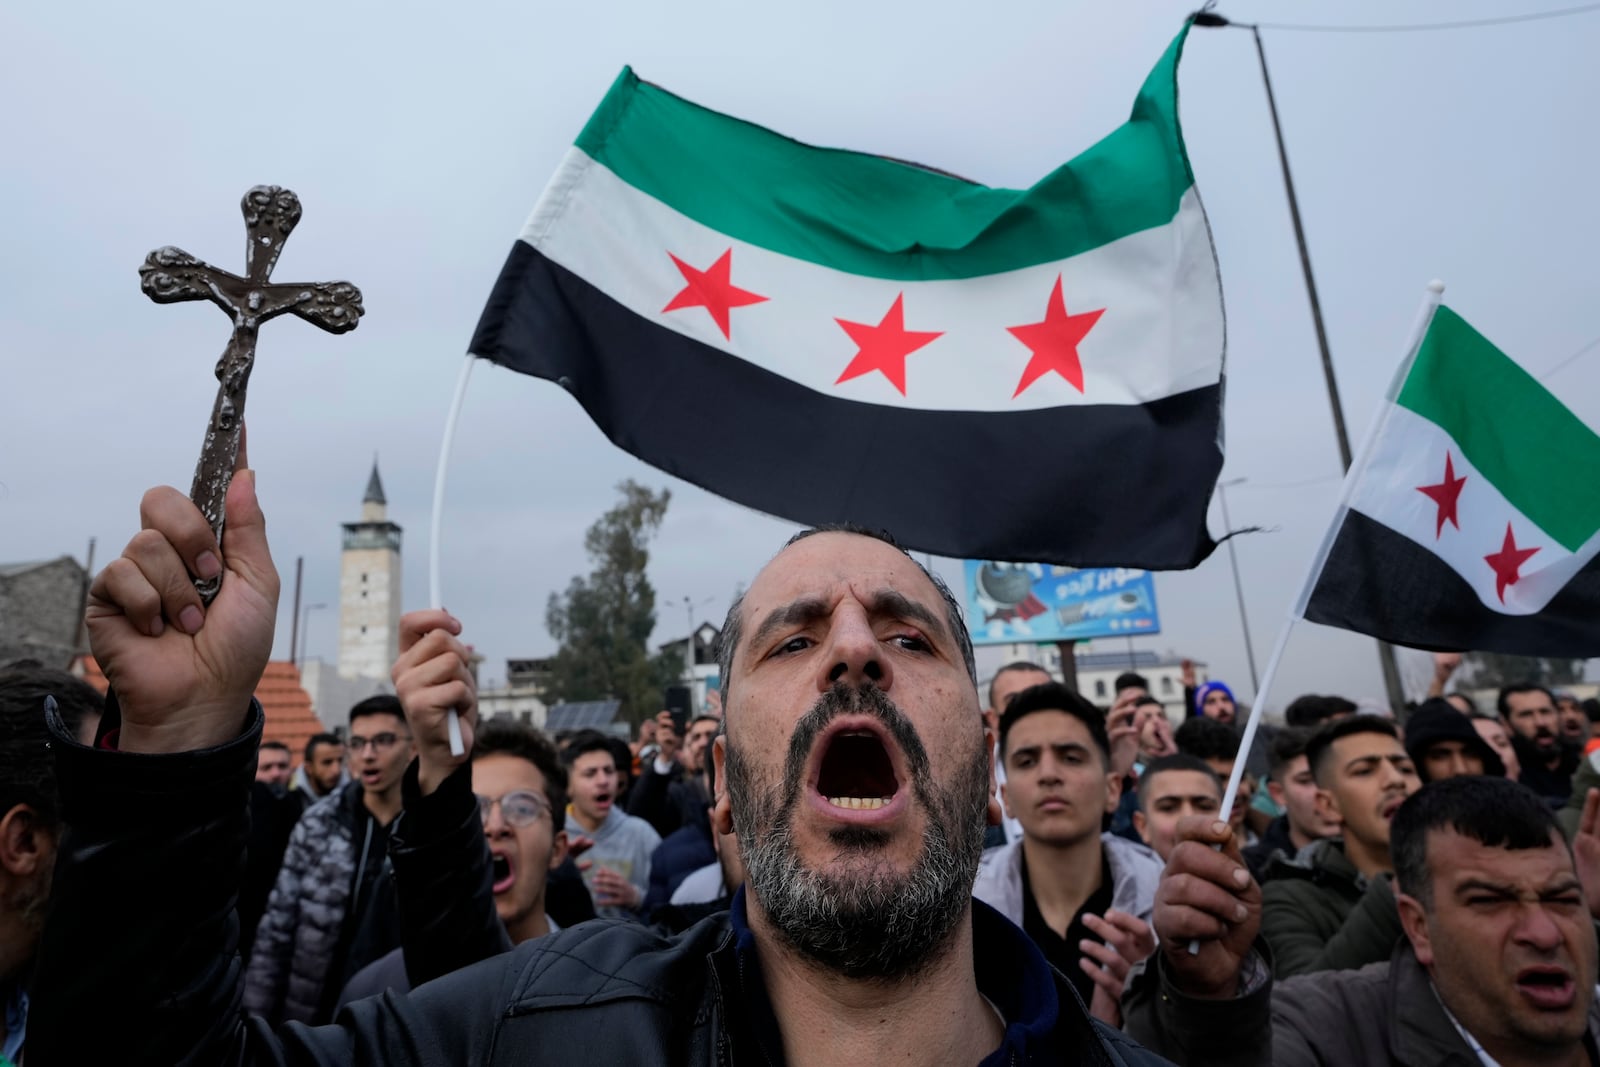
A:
1591	709
1146	701
1503	706
1206	739
1130	680
508	737
276	744
382	704
1178	761
321	739
622	756
1053	696
698	719
584	742
1011	668
1320	748
1472	705
733	625
1313	710
27	768
1288	745
1495	812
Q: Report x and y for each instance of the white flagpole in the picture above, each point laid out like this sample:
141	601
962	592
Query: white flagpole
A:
1419	329
435	600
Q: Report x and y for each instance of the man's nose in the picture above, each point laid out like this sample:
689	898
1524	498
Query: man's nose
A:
855	656
1537	929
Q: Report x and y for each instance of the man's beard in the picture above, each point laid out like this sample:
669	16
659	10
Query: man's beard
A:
867	921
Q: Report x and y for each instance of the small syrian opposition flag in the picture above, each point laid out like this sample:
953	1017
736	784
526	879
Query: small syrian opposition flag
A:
1475	522
1030	375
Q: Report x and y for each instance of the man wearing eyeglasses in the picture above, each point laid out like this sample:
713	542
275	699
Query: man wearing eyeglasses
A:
445	882
333	908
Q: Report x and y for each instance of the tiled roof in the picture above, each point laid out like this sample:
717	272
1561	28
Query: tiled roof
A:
283	698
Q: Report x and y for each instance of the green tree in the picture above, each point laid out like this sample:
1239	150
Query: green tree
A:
604	620
1491	670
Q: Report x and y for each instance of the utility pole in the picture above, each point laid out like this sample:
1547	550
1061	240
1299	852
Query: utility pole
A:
1238	587
1386	661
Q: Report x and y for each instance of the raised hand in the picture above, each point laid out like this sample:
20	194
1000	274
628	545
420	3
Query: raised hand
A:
1206	897
1122	733
183	672
610	889
667	737
1586	851
1128	939
432	676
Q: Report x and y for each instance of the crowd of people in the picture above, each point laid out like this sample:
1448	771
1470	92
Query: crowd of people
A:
865	856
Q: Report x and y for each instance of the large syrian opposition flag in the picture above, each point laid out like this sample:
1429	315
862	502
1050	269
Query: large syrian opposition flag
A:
1030	375
1475	523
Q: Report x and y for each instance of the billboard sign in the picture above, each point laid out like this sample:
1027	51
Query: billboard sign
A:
1027	603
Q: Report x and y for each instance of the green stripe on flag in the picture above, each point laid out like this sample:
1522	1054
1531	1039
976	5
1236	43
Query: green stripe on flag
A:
870	215
1539	454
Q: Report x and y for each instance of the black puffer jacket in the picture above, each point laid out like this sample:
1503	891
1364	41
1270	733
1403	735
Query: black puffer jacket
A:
138	963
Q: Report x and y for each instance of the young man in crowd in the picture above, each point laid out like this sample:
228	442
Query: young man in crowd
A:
670	793
1295	791
1332	907
1442	743
616	863
858	779
1310	711
1171	789
31	823
1529	712
1007	682
1216	743
1497	965
1067	884
332	910
1214	700
322	770
272	764
455	908
1574	723
1496	736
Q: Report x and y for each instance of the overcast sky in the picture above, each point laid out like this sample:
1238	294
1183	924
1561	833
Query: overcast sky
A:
419	136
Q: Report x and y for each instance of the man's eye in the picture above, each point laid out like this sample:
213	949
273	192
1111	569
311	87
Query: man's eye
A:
911	642
794	644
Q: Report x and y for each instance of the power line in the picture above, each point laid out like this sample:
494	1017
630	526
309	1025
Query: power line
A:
1420	27
1570	359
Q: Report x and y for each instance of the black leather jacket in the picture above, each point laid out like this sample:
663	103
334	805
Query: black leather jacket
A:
139	962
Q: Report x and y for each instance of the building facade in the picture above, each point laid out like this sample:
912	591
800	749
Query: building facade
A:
369	589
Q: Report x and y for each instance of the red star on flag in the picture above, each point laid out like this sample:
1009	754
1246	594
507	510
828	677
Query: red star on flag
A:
1445	494
1054	342
884	347
1507	563
712	289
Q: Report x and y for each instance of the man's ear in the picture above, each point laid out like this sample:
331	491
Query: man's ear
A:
722	808
26	845
1275	791
558	849
1113	791
1327	807
992	813
1141	826
1414	920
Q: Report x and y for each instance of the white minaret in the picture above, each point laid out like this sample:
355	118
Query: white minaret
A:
369	589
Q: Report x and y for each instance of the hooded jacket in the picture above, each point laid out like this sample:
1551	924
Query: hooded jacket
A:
1319	914
159	839
1135	873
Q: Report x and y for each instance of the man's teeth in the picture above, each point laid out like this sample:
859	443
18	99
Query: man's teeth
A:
859	803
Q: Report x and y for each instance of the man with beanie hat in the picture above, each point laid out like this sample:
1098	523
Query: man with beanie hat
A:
1443	744
1214	700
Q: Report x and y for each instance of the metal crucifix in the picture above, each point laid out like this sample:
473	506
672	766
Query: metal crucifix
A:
170	275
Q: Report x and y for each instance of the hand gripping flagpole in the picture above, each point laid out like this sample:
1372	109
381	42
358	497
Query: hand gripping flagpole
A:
1430	304
453	719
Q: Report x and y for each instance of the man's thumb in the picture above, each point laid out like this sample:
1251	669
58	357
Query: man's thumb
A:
244	537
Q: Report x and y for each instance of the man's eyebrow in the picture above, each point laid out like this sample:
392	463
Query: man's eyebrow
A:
797	612
890	602
1483	885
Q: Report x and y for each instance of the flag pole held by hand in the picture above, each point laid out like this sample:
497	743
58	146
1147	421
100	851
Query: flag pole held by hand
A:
453	719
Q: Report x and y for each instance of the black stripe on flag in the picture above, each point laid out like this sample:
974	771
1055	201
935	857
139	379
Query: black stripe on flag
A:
1099	485
1382	583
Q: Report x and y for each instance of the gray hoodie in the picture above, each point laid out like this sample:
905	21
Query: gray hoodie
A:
623	843
1135	873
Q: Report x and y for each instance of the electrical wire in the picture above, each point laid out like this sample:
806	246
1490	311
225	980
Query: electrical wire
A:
1564	364
1422	27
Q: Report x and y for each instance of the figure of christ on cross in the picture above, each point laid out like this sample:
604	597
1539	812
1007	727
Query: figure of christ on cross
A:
170	275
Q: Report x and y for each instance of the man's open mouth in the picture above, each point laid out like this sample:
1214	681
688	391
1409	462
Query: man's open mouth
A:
504	872
1547	987
856	769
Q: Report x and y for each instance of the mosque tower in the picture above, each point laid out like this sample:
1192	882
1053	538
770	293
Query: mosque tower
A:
369	589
